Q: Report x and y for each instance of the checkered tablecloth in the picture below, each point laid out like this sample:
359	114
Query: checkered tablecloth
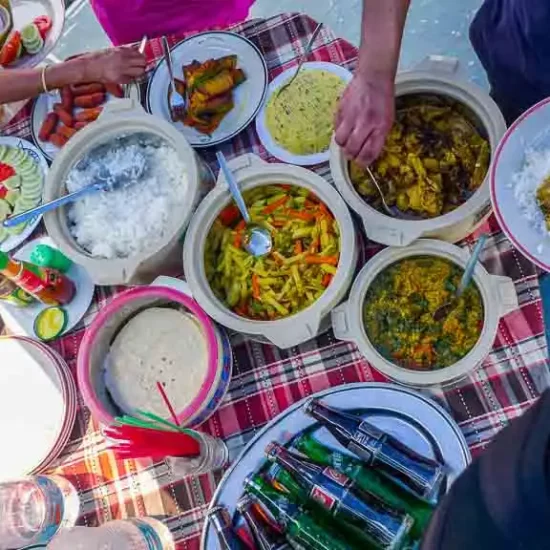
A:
267	380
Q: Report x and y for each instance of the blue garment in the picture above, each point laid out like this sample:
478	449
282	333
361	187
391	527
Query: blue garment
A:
512	41
502	500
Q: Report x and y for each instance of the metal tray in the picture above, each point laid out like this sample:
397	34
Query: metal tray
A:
413	418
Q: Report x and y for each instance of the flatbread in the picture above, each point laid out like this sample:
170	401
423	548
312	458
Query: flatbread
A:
158	344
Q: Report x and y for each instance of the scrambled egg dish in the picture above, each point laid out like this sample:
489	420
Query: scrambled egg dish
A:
434	159
301	118
543	199
399	314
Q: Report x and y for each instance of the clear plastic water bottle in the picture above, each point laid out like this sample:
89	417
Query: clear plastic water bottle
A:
130	534
214	455
33	510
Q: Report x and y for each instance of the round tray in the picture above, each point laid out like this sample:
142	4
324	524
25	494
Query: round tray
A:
414	419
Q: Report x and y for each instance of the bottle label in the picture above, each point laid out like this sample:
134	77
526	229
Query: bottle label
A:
29	280
337	477
326	500
54	500
149	533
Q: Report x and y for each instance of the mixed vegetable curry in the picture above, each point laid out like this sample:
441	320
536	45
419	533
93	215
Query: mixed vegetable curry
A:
543	199
301	265
399	314
433	160
208	88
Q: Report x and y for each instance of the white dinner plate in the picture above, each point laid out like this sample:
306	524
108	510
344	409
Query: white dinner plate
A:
15	240
20	320
530	132
248	96
24	11
261	125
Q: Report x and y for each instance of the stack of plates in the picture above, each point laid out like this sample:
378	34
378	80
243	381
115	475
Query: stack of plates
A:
38	402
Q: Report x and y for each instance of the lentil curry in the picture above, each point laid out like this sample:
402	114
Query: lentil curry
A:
399	308
300	267
434	158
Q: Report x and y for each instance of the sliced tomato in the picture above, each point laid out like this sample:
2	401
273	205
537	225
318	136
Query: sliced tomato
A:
44	24
6	171
3	192
11	50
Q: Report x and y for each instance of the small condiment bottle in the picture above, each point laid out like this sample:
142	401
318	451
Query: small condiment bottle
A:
46	285
46	256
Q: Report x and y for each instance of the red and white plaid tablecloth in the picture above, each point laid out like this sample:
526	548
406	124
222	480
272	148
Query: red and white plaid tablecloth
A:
267	380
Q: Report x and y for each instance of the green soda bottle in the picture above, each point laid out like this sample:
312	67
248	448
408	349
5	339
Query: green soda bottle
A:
368	480
298	525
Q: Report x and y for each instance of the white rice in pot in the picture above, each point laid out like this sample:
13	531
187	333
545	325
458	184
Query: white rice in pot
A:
134	218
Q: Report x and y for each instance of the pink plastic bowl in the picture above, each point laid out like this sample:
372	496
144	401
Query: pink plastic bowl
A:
97	340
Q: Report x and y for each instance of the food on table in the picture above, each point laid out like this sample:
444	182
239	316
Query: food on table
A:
392	459
80	105
301	118
304	259
303	530
47	256
367	479
50	323
46	285
362	512
12	294
399	314
130	219
543	198
27	41
434	159
21	183
6	20
208	88
158	344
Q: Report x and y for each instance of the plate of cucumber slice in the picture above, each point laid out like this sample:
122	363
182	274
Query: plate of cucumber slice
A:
23	170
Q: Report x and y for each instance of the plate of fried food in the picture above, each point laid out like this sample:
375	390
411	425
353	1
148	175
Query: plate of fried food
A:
60	114
223	78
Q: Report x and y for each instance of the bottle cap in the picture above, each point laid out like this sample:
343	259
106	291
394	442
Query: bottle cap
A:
4	260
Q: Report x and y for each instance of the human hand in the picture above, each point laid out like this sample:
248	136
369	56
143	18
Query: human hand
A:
119	65
365	116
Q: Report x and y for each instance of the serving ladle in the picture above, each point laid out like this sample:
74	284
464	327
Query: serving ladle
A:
443	311
257	241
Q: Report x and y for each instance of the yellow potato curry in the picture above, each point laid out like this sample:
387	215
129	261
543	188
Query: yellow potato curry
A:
399	314
433	160
301	118
298	270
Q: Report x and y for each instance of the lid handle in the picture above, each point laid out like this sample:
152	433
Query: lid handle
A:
439	64
240	164
172	282
292	334
340	323
390	236
506	294
121	106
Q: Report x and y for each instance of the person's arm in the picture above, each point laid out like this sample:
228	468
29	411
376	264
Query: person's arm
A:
120	65
367	107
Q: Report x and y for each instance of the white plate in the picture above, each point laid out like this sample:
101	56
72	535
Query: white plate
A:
42	106
530	131
248	96
20	320
32	407
14	241
24	11
261	126
413	418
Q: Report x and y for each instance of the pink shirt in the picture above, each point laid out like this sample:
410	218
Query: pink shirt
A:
127	21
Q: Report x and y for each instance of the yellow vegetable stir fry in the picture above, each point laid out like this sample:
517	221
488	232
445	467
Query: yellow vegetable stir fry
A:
304	259
399	314
434	159
543	199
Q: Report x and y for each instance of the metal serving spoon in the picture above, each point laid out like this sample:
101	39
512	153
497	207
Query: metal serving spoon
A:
443	311
106	181
258	240
303	58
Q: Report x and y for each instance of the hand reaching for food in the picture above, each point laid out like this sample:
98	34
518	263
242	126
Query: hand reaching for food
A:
365	117
119	65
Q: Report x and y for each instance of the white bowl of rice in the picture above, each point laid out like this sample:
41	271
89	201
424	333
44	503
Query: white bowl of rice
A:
520	168
133	233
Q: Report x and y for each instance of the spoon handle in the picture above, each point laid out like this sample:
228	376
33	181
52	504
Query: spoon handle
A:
233	186
471	265
52	205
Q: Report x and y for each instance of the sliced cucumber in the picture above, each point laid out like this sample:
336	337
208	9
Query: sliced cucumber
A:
12	195
16	229
10	155
25	203
14	182
18	157
3	152
50	323
5	209
3	234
